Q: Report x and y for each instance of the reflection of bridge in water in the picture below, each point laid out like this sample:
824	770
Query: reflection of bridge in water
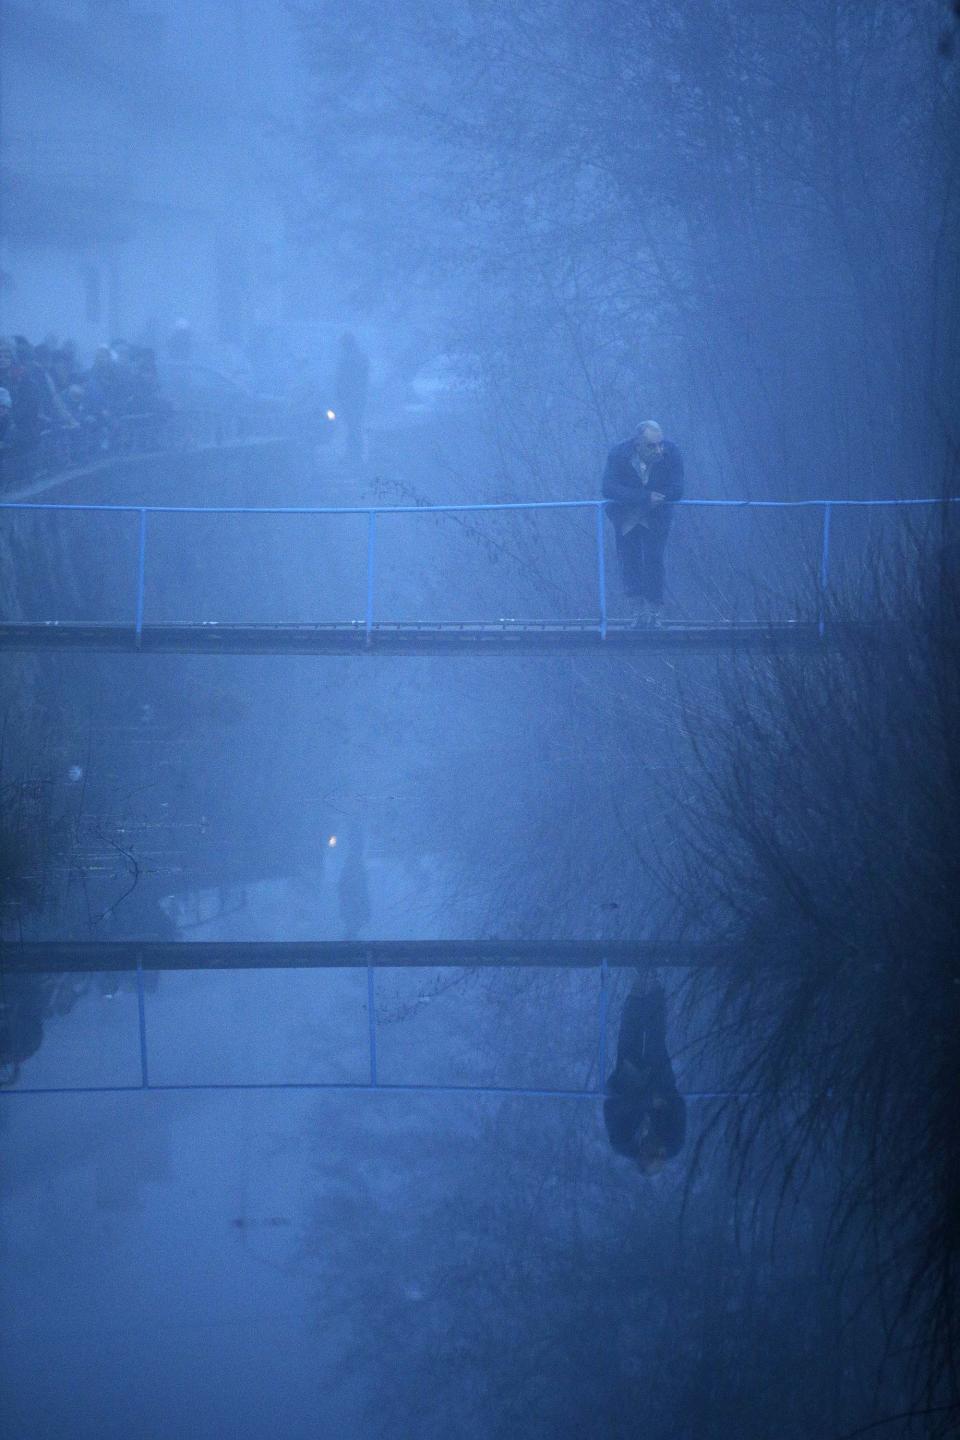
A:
119	956
371	635
507	637
25	964
143	959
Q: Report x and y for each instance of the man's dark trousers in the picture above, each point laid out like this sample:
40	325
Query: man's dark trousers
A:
640	553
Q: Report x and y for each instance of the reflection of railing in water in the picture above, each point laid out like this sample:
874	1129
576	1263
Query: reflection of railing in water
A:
599	957
601	626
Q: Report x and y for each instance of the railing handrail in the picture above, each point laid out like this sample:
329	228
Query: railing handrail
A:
597	505
450	509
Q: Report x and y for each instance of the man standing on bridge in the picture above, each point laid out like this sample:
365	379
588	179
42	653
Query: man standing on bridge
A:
642	479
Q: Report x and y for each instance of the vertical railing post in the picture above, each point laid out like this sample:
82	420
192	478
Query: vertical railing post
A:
601	573
824	570
372	1025
141	569
602	1051
371	551
142	1013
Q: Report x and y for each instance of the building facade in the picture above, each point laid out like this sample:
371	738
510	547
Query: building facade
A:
134	189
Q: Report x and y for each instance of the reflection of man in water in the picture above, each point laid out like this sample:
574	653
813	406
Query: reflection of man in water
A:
352	381
353	895
645	1116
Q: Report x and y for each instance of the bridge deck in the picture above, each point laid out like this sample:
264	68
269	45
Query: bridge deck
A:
505	637
59	957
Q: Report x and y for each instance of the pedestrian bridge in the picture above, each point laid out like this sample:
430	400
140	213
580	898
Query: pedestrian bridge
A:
373	633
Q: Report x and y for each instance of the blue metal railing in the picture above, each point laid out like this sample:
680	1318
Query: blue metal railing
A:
826	507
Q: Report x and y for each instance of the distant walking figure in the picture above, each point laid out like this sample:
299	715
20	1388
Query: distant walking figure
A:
645	1115
351	384
643	476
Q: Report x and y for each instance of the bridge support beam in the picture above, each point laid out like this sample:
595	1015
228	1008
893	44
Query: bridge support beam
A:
508	637
64	956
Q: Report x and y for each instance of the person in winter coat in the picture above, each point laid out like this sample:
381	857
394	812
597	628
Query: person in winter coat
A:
645	1115
642	479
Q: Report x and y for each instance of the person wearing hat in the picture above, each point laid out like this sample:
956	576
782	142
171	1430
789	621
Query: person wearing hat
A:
642	480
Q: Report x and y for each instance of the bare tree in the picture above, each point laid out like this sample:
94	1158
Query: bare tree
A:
821	835
690	208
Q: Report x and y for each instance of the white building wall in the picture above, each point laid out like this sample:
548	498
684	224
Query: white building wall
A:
181	212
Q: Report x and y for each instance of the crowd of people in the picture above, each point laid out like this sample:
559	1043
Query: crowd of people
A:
56	412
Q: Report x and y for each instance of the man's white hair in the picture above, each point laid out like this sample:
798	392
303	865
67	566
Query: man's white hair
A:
646	425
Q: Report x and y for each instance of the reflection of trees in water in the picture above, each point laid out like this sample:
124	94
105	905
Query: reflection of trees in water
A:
822	823
71	857
520	1284
37	826
38	821
49	846
25	1002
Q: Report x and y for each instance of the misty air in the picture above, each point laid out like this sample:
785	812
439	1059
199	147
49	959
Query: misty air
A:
480	687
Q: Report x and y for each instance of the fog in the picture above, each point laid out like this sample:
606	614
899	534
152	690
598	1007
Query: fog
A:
267	269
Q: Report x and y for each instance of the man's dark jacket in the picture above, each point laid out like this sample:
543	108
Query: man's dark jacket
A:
642	1088
625	488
